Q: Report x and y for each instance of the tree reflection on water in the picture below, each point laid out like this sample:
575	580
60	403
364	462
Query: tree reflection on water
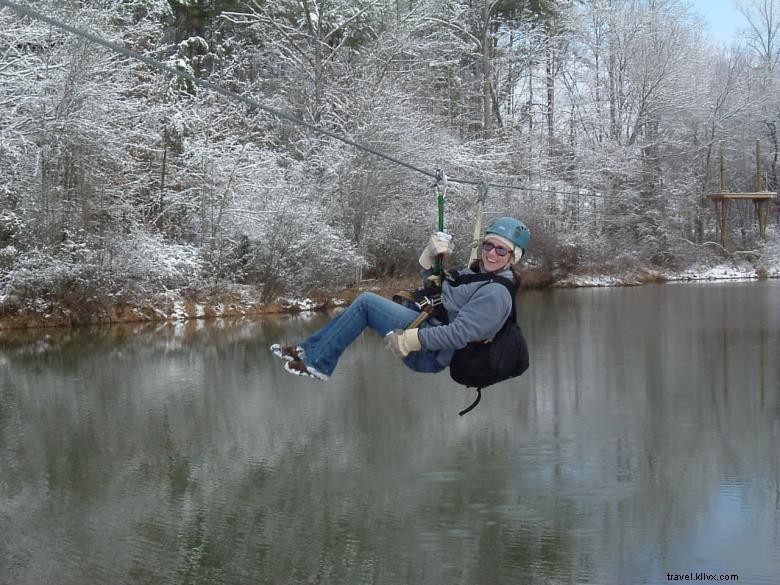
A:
641	441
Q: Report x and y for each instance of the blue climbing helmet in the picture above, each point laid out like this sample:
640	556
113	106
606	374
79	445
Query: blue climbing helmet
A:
511	229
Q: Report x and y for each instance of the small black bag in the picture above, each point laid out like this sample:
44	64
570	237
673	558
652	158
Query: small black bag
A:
481	364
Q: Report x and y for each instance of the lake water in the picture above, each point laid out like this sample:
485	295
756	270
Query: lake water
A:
642	443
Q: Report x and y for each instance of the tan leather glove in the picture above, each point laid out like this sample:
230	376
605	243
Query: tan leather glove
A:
439	243
402	342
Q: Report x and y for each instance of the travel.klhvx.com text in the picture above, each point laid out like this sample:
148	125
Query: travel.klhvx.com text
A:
700	577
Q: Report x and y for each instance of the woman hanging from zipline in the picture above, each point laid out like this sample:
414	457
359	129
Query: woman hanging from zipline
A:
475	305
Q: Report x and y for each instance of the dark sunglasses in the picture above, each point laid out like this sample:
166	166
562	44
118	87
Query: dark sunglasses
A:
500	250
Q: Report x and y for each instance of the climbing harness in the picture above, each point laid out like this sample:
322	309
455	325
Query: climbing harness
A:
427	300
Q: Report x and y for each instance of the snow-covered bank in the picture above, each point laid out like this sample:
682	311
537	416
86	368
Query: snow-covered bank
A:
735	269
243	302
719	273
171	306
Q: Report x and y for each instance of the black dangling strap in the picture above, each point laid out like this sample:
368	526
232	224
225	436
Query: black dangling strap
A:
473	404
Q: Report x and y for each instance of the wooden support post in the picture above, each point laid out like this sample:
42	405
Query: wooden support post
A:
722	208
761	205
762	211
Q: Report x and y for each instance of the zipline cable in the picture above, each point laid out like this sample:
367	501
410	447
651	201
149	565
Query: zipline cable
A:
155	64
26	11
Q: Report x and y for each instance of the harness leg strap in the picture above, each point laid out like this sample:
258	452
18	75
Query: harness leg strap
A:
426	312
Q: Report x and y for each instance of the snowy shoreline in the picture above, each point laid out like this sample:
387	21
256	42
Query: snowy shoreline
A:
740	273
242	302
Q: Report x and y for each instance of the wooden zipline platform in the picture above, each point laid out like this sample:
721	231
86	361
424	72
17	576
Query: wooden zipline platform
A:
762	200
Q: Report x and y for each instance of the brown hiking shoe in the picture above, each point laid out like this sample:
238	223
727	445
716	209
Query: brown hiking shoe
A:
287	352
298	368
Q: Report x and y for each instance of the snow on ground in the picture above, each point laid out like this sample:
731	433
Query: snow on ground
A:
706	274
717	273
179	312
730	271
583	280
299	304
767	267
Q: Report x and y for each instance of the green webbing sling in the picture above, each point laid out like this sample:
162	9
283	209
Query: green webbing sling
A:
440	188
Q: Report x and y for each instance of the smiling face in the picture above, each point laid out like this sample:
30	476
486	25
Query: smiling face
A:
492	259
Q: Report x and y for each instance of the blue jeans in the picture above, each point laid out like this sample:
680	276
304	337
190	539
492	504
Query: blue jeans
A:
324	348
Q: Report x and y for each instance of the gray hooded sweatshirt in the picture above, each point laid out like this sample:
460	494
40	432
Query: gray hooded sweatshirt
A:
476	312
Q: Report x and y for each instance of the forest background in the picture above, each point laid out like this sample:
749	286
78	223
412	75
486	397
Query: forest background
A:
603	120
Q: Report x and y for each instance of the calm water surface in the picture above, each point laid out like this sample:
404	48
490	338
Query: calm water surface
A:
643	441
